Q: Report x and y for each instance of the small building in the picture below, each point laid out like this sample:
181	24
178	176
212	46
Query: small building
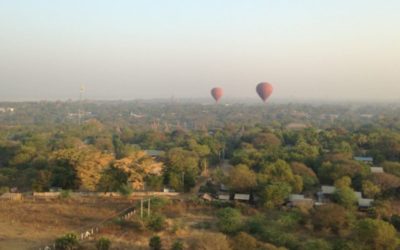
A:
224	197
377	170
207	197
242	197
328	189
154	153
367	160
365	203
293	197
358	195
298	200
325	193
168	190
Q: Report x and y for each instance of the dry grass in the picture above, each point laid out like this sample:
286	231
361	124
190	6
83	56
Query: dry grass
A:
30	224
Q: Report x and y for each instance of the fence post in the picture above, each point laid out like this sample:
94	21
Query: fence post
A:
148	207
141	208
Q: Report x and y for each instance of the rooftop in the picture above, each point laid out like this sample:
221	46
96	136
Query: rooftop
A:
243	197
328	189
362	158
365	202
377	170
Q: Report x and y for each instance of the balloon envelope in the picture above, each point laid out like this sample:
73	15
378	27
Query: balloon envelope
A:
264	90
217	93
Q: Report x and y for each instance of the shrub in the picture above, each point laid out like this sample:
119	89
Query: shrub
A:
103	244
177	245
156	222
67	242
255	225
64	194
158	203
155	243
229	220
244	241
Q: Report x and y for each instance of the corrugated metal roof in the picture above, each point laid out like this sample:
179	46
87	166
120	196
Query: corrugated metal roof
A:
377	170
243	197
293	197
362	158
365	202
328	189
223	197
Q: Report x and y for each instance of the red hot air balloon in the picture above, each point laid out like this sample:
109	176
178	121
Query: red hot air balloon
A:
264	90
217	93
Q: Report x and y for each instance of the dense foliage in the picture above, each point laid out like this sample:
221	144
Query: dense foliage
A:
268	153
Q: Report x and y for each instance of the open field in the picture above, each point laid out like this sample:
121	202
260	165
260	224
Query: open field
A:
32	224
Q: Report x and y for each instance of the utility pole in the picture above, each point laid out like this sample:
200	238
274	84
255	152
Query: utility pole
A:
141	208
81	90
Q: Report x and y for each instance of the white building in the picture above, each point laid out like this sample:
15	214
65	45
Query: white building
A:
242	197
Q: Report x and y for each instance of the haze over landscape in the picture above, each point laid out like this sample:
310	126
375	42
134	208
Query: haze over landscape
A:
309	50
199	125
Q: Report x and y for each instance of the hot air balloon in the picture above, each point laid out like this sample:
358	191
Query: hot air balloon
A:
264	90
217	93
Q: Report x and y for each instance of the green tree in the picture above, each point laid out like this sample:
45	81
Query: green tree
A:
229	220
310	179
376	234
392	168
242	179
345	196
274	194
182	168
43	181
343	182
112	179
278	172
370	190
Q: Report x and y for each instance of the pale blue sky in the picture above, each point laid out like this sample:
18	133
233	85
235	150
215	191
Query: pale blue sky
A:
342	49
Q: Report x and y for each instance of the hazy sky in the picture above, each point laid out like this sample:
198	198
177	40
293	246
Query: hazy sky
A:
340	49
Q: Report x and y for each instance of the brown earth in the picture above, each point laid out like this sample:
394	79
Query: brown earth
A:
31	224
